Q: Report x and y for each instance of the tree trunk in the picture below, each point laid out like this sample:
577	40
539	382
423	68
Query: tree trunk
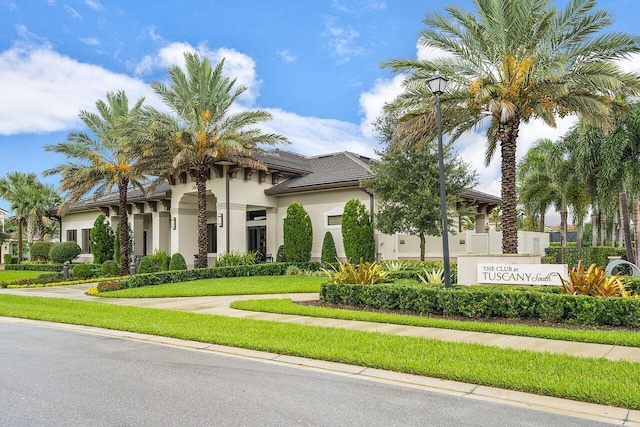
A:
563	229
636	227
579	233
624	220
422	246
508	134
614	229
594	224
200	177
20	224
124	227
541	229
603	231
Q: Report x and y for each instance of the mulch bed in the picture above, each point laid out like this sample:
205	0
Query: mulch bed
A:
502	320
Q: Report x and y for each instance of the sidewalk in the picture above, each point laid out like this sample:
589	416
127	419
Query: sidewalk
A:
220	306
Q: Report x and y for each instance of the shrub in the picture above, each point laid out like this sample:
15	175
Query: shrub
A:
177	262
101	240
82	271
232	258
361	274
161	259
394	265
109	268
112	285
147	265
64	251
40	251
435	277
594	282
357	232
542	303
298	234
280	255
35	267
329	253
293	270
8	259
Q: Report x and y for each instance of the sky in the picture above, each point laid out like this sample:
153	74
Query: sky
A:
314	64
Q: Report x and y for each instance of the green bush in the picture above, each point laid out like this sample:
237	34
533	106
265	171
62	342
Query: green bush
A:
177	262
598	255
265	269
298	234
357	233
415	268
82	271
161	259
109	268
545	304
280	255
232	258
101	240
35	267
8	259
329	253
40	251
64	251
147	265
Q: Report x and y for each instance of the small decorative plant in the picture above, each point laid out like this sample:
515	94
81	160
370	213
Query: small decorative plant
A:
364	273
594	282
394	265
433	277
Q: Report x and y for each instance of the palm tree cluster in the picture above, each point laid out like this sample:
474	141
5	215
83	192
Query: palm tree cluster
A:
510	62
30	201
588	168
128	147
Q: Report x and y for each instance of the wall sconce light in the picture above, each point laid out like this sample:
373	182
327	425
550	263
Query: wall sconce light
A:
173	223
220	220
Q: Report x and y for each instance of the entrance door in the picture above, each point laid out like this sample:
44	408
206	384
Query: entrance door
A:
258	241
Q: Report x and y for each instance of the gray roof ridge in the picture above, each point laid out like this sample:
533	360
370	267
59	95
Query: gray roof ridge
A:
357	158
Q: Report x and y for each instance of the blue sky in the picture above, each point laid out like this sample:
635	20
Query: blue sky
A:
314	64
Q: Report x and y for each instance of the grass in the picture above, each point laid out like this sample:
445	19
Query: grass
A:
12	275
585	379
286	306
224	286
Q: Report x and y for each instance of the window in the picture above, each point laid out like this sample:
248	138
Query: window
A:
212	238
256	215
334	219
86	237
72	236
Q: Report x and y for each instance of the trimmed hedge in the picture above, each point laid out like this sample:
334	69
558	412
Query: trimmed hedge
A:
544	304
177	262
589	255
64	251
265	269
35	267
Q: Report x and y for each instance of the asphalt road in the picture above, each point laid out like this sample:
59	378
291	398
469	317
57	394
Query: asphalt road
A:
51	377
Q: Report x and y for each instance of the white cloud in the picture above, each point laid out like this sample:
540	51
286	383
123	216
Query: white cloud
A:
236	65
74	13
630	64
287	56
43	91
356	6
93	4
10	5
372	102
90	41
313	135
341	40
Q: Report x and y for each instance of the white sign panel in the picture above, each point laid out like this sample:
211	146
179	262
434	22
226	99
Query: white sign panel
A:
522	274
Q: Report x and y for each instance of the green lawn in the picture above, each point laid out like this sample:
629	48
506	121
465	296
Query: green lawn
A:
585	379
286	306
12	275
225	286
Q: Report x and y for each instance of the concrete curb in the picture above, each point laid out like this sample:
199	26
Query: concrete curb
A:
602	413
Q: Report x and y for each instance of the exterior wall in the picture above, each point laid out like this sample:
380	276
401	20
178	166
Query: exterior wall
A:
79	221
319	205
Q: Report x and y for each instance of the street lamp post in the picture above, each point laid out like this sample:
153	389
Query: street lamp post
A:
438	85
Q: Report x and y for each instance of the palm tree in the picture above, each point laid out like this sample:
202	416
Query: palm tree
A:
511	62
202	130
39	198
12	188
105	159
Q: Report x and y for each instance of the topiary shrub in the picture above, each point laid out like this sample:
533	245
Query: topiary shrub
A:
177	262
101	240
83	271
64	251
280	255
357	232
109	268
40	251
8	259
298	234
147	265
329	253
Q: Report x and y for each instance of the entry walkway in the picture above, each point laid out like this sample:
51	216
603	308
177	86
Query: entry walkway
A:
220	306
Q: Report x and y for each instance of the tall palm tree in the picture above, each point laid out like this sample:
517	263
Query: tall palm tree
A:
202	130
104	159
39	198
12	189
510	62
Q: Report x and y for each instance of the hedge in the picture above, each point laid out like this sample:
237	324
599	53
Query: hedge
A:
265	269
589	255
35	267
545	304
